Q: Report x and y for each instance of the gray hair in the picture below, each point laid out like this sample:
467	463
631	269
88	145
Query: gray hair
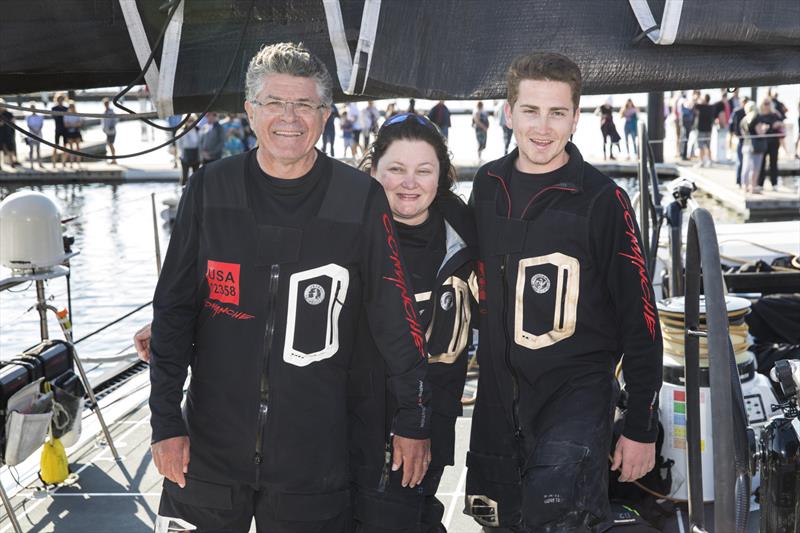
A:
287	58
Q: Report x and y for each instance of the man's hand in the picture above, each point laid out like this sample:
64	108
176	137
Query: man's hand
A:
633	459
141	341
171	457
414	455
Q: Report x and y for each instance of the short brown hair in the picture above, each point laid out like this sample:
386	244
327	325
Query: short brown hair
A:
547	66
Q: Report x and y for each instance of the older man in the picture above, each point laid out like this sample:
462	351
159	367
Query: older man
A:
275	254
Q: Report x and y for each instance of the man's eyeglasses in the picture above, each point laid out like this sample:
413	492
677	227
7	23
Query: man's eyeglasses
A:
279	107
397	119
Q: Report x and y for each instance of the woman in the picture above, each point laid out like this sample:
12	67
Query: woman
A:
631	116
753	147
608	129
72	135
436	238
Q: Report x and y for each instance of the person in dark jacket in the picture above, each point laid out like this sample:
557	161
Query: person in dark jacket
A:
564	294
275	256
767	114
734	127
440	115
436	236
212	140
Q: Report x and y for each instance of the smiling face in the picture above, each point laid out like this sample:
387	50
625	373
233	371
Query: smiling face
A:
286	140
409	173
543	118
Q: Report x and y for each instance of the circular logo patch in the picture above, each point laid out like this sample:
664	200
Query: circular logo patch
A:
314	294
540	283
446	301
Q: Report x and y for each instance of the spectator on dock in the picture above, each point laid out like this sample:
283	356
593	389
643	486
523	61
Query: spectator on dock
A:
355	117
734	100
35	122
508	133
188	146
347	135
110	129
778	107
722	110
797	144
212	140
480	121
391	110
631	116
687	112
705	123
768	115
8	143
233	143
753	147
440	115
369	122
781	110
735	126
173	121
329	133
675	119
72	135
608	129
60	131
412	106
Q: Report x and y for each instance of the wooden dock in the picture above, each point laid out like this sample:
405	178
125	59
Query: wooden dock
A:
719	181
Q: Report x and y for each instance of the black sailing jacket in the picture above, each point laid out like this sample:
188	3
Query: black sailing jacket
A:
564	291
267	316
448	328
567	288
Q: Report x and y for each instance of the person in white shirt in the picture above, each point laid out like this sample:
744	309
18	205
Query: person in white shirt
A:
189	150
35	123
355	116
110	129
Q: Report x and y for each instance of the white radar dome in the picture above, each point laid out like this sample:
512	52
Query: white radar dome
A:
30	232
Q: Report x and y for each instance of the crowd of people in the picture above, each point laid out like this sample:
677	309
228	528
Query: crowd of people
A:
758	129
756	135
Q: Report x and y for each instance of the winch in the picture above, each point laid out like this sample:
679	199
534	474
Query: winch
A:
759	398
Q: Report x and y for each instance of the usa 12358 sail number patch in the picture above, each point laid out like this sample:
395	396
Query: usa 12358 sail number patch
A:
223	282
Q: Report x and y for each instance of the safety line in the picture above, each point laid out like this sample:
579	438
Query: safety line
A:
366	43
169	63
667	31
139	41
338	37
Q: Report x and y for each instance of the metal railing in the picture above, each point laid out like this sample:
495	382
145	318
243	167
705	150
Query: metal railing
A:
731	471
650	209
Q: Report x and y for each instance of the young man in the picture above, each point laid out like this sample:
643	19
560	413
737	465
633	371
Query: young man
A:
565	292
276	255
